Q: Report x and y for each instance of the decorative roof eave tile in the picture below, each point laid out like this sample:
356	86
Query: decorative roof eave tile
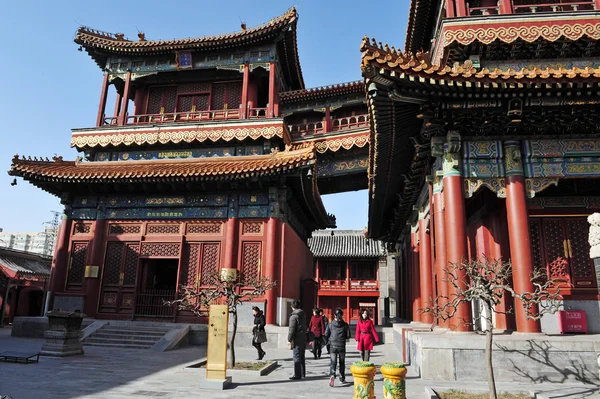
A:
346	142
408	66
322	92
524	27
116	43
188	134
224	168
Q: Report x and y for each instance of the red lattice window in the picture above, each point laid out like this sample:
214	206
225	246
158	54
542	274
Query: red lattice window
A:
170	99
251	260
165	250
205	228
234	95
162	99
210	262
252	228
194	88
131	263
554	241
112	263
218	97
189	265
77	266
118	229
82	228
534	225
582	266
163	229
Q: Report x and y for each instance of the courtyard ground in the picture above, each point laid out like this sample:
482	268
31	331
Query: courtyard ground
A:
117	373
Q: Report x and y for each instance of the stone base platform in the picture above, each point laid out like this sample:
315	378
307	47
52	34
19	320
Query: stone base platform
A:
441	355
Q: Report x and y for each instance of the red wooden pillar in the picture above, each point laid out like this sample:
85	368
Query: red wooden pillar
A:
426	289
327	119
506	6
348	309
455	222
414	269
102	105
231	244
276	113
117	108
518	233
597	5
348	279
270	270
245	83
92	283
272	79
499	250
461	8
60	261
450	13
440	247
123	113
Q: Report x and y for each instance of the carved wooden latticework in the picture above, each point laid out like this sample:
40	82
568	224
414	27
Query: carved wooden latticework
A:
77	266
205	228
194	88
189	265
163	229
164	250
579	252
82	228
218	97
131	263
210	262
118	229
112	264
253	228
554	243
536	249
251	255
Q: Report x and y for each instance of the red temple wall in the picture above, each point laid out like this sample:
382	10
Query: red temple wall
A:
296	264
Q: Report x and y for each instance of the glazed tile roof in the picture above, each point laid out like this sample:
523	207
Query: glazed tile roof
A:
411	67
421	17
222	168
98	43
344	244
15	264
322	92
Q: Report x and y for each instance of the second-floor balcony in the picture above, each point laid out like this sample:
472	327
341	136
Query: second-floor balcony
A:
348	285
313	128
493	7
190	116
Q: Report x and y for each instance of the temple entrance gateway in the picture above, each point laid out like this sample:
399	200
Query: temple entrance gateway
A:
158	283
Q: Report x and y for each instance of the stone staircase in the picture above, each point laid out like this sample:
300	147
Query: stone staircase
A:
133	336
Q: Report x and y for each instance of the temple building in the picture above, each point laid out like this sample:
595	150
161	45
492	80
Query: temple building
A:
23	284
485	142
215	156
353	273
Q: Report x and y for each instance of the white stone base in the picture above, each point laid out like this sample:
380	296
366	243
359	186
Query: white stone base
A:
218	385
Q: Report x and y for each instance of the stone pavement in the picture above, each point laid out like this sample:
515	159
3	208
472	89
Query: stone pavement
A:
116	373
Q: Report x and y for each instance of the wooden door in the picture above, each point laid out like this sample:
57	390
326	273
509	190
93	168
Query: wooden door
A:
119	278
563	238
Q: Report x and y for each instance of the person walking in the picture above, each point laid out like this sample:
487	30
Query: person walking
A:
316	327
297	340
337	333
258	332
325	324
365	335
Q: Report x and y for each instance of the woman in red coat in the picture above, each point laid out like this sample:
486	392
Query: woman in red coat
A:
317	327
365	335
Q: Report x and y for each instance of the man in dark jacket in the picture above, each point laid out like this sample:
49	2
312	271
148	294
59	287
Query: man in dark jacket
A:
297	340
337	333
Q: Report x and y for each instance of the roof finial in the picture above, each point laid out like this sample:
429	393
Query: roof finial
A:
142	36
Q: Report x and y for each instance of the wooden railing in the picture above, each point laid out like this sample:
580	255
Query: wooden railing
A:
483	10
151	303
257	113
310	128
554	6
349	122
349	284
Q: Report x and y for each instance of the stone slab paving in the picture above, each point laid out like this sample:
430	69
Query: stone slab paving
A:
117	373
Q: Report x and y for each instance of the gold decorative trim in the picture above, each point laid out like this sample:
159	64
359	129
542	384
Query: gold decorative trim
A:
538	184
343	142
496	185
509	34
163	137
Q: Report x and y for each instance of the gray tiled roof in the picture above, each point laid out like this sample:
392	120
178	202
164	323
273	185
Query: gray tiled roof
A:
344	244
23	262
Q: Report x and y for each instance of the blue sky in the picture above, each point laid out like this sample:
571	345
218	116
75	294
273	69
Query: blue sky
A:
47	87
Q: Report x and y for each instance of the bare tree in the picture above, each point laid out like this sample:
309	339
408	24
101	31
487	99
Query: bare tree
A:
488	281
228	290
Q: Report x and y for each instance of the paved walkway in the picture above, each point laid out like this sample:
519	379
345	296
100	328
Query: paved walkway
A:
114	373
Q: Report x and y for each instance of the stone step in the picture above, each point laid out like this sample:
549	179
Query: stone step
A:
119	341
134	328
121	346
128	337
130	332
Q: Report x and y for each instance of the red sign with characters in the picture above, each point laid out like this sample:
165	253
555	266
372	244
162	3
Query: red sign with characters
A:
572	321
